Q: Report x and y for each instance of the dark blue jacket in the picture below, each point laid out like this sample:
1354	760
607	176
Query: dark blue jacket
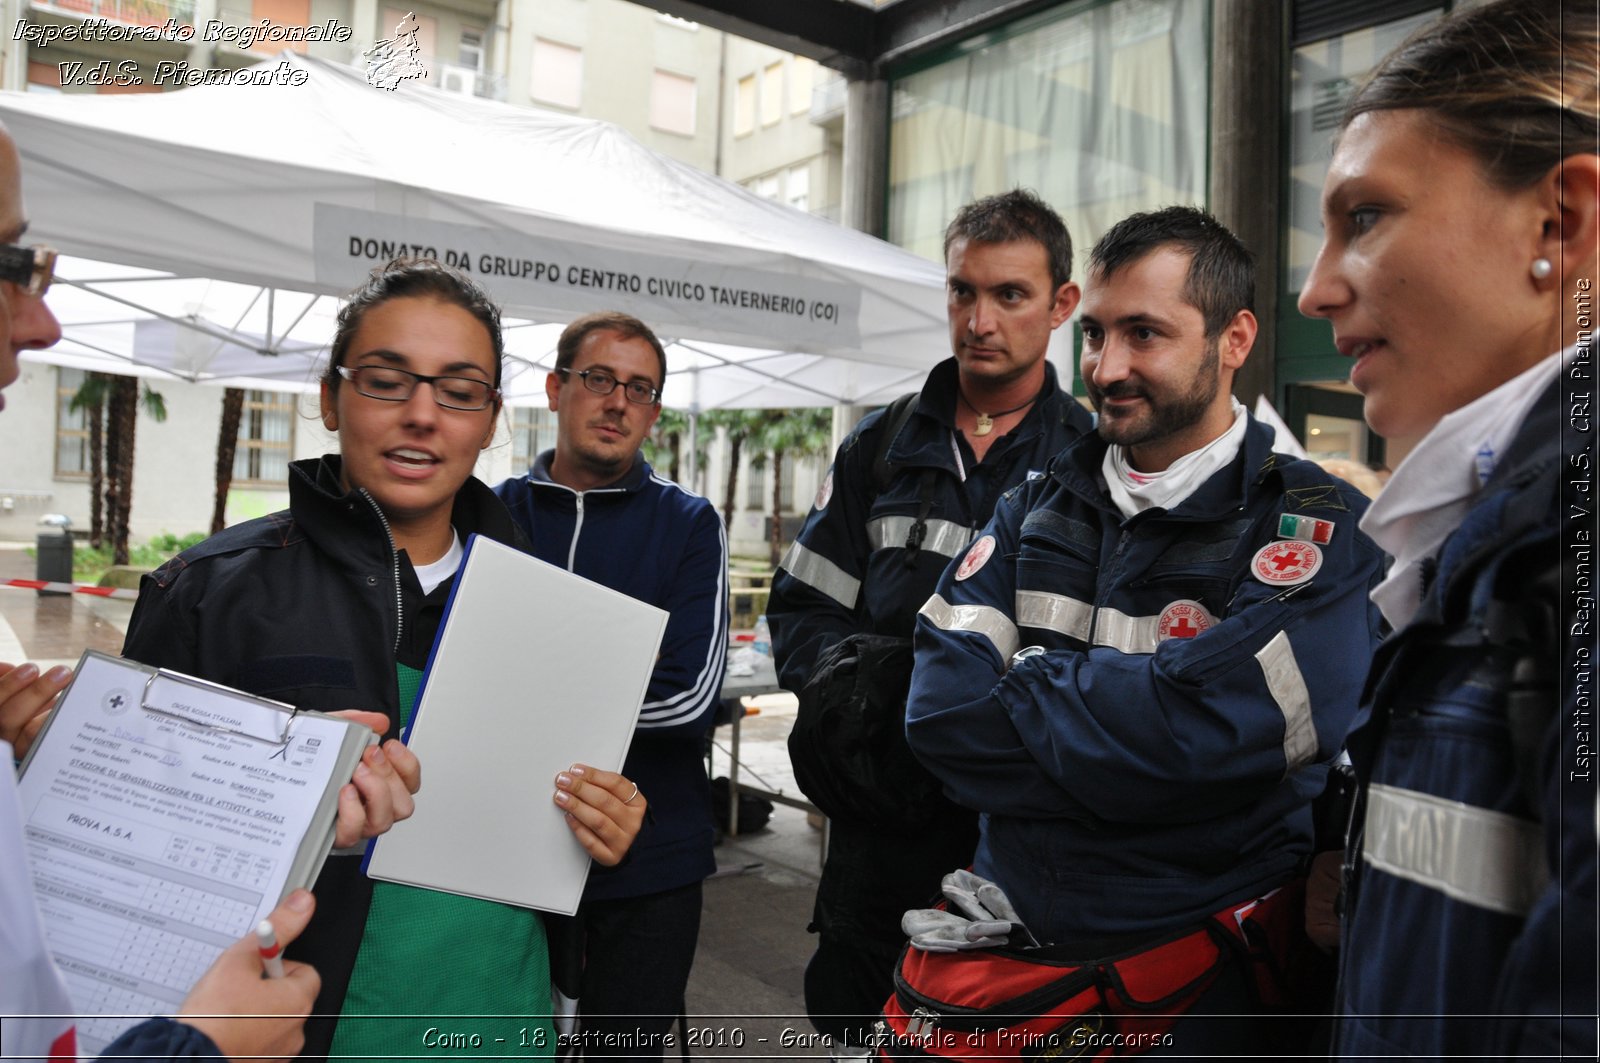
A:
847	571
654	541
1473	889
1157	763
160	1041
312	606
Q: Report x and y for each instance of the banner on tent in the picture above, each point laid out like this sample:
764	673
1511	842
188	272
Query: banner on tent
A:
663	290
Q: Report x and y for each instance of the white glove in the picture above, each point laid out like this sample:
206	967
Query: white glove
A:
986	918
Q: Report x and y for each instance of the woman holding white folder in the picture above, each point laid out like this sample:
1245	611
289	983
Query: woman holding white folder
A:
333	604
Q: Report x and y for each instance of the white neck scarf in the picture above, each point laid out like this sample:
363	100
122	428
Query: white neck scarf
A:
1134	492
1429	494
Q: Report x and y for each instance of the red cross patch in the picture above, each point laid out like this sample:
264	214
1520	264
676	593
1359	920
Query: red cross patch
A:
976	556
1183	619
825	491
1286	562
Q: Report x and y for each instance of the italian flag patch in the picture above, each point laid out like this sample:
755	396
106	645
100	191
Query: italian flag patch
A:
1306	529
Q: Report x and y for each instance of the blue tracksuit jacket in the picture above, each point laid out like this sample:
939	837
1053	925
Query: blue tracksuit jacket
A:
652	540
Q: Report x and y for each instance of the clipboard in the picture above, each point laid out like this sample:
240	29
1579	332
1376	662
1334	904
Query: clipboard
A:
533	669
164	815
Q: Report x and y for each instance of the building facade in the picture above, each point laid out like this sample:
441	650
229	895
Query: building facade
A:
714	101
886	115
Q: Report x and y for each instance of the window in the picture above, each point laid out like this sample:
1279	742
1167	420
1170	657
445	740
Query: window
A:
557	73
798	191
470	54
266	440
767	187
804	75
533	431
1322	74
786	489
672	100
772	94
755	485
1092	105
72	427
744	106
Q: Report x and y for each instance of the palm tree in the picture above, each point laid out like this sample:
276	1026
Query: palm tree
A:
91	398
227	446
127	394
799	433
666	444
738	424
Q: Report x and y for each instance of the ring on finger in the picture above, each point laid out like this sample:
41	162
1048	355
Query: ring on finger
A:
631	796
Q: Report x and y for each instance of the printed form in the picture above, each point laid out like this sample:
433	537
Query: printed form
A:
156	843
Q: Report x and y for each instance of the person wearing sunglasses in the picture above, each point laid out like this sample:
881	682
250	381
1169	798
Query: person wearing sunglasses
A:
335	603
593	506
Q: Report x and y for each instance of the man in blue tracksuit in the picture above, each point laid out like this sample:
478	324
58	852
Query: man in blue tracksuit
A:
593	506
890	515
1192	619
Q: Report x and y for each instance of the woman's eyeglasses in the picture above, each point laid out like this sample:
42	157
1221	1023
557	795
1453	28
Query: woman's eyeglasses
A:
29	268
396	385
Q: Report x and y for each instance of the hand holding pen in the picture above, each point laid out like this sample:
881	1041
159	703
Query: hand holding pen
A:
271	952
246	1014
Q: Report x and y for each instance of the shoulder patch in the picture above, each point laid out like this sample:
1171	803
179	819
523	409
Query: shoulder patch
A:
1309	529
1286	563
1183	619
977	556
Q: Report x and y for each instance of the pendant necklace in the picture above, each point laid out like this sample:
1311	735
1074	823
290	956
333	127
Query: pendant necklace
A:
985	420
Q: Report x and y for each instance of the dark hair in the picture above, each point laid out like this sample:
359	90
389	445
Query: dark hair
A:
1222	272
624	325
1514	83
411	278
1015	215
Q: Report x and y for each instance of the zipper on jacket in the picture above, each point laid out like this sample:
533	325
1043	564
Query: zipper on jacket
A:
577	526
394	562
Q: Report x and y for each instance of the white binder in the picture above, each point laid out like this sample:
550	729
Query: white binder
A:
533	669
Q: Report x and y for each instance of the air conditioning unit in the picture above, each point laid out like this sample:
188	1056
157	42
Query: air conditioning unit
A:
462	80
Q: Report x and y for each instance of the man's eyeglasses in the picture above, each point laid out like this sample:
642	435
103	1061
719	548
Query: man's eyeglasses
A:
603	383
29	268
396	385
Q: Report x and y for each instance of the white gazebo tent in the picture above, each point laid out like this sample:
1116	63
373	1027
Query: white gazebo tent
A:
209	227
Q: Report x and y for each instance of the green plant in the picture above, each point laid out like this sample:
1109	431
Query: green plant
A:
89	563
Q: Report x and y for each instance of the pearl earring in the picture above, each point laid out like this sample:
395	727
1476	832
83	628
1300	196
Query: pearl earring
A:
1542	269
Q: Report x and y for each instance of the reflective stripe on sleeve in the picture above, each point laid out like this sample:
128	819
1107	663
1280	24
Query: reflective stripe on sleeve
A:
1129	634
1474	855
1288	689
983	620
821	575
1054	612
944	537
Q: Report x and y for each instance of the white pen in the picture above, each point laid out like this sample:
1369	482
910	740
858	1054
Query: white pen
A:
271	953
